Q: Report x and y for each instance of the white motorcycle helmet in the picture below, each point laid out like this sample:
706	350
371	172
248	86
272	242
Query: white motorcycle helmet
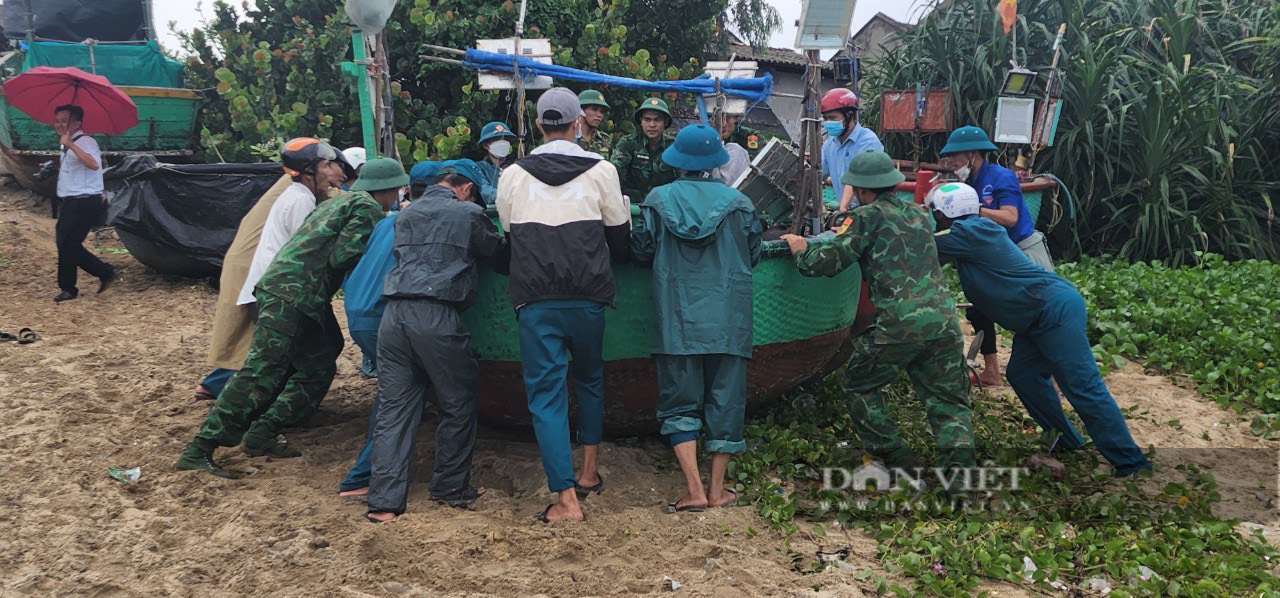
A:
953	200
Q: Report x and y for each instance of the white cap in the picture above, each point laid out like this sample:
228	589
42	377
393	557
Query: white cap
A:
953	200
355	156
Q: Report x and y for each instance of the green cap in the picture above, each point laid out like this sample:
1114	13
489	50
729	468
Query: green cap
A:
872	169
592	97
967	139
654	104
379	174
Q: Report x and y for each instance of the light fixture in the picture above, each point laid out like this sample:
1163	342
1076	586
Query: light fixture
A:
824	24
1018	82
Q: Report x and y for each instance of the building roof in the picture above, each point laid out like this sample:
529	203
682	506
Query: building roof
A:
774	56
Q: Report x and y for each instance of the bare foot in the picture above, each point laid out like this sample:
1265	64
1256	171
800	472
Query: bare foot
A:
990	381
589	481
379	517
354	493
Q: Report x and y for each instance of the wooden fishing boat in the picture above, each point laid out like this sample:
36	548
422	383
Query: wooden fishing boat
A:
801	328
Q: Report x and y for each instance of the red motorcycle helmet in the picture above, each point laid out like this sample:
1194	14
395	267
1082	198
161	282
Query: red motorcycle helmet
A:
839	99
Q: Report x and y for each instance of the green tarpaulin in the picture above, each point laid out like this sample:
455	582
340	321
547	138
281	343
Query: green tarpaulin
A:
129	65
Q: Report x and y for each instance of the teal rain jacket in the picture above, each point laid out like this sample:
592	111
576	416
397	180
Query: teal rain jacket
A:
702	239
362	291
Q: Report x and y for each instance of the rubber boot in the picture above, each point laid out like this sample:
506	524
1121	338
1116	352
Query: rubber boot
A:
259	442
198	456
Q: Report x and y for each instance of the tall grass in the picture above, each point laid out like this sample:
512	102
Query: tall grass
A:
1170	132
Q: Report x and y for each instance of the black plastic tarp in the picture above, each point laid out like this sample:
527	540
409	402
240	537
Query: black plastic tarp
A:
180	218
77	20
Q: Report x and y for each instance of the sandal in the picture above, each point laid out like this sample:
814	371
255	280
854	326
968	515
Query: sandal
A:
26	336
732	502
543	515
462	499
672	508
584	491
368	516
203	394
6	337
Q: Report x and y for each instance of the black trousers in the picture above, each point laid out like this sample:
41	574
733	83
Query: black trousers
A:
76	218
982	323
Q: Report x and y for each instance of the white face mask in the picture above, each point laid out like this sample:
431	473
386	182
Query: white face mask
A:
963	172
500	149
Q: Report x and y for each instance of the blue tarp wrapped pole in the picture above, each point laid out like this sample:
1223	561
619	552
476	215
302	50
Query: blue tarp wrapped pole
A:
755	89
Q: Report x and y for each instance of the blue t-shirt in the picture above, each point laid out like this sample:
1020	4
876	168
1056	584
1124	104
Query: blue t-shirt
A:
997	277
998	187
362	291
836	156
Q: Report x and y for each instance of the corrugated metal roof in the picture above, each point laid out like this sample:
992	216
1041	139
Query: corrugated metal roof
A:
773	55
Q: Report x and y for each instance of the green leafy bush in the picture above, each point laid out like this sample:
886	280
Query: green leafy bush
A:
1169	137
1216	322
1140	538
276	72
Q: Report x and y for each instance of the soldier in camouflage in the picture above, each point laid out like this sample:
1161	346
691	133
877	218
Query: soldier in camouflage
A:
915	326
638	157
594	110
297	340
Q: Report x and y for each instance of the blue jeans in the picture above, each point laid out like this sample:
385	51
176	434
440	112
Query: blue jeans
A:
358	476
1057	349
549	332
217	380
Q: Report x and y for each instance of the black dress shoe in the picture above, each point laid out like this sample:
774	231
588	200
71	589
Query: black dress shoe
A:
65	296
105	283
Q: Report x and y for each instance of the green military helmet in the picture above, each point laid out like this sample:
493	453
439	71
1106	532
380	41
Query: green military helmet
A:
967	139
380	174
592	97
654	104
872	169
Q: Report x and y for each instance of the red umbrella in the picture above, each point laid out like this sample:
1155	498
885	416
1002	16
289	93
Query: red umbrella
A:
39	90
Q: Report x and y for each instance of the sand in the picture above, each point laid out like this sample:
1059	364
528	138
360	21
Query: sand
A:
110	385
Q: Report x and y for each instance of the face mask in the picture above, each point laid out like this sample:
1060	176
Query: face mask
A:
963	172
500	149
834	128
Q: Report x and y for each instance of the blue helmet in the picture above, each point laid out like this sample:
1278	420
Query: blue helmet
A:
697	147
425	171
495	130
465	168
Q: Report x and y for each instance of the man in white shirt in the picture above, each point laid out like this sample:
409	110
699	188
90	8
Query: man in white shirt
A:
315	167
83	205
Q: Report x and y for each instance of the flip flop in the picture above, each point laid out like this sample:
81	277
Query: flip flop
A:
673	509
732	502
368	516
585	491
27	336
543	515
6	337
204	395
462	499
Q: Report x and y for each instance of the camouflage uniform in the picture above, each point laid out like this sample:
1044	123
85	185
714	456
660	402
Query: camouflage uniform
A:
750	139
600	143
640	169
297	340
915	330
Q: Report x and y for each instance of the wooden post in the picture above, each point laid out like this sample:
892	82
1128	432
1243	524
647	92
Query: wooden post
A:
808	200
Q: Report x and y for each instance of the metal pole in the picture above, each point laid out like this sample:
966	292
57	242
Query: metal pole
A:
362	87
31	24
519	81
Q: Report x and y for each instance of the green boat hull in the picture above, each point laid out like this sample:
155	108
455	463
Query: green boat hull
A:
801	327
